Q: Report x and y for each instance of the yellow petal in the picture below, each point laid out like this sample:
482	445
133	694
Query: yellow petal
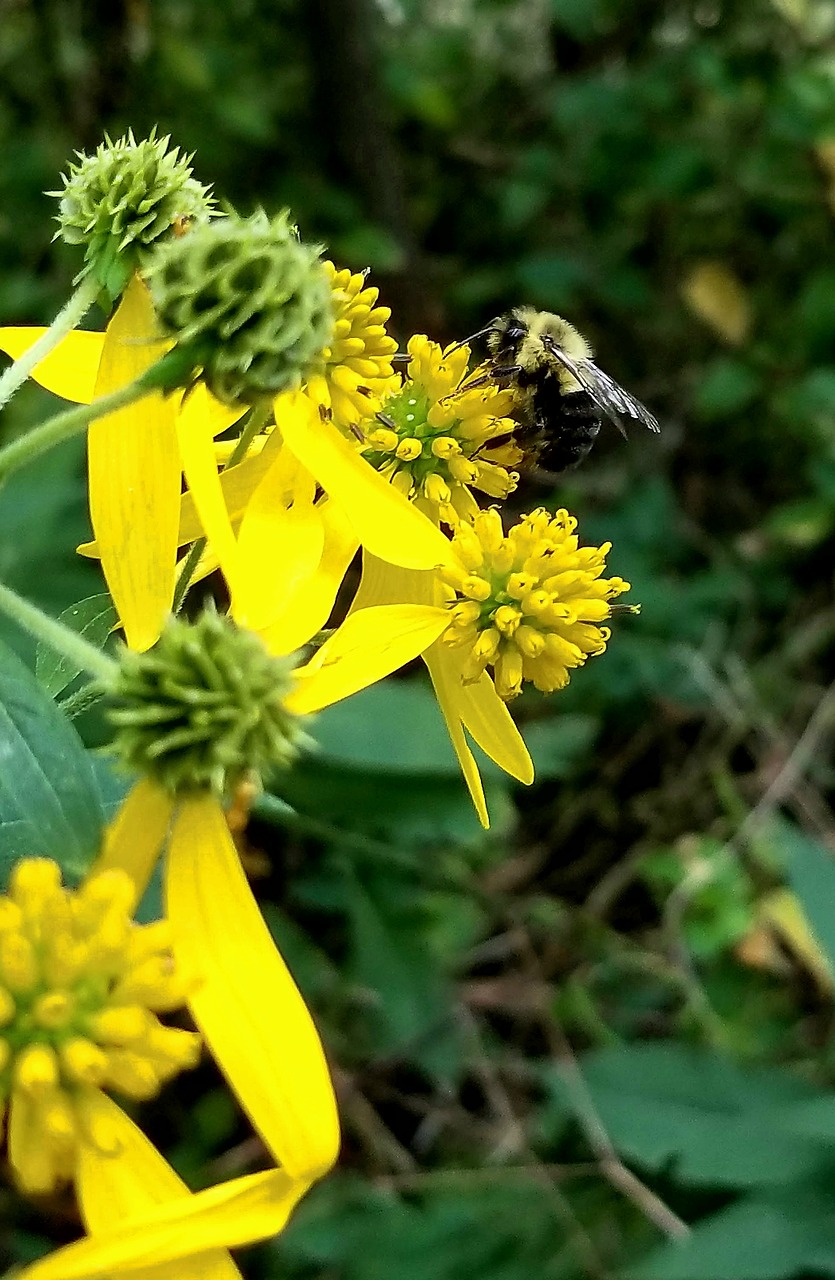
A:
245	1002
134	472
369	645
238	485
232	1214
443	681
115	1188
487	718
70	370
384	521
280	543
383	583
309	607
200	466
135	837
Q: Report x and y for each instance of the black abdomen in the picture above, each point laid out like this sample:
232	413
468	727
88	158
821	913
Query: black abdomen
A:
559	429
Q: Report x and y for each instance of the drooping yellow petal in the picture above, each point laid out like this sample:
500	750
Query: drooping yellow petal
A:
113	1189
232	1214
200	466
135	837
486	717
384	521
309	607
245	1001
70	370
442	681
134	476
280	543
369	645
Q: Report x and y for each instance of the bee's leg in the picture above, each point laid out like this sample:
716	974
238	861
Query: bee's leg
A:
498	373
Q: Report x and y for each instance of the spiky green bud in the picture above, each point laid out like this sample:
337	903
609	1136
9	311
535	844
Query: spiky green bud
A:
204	708
249	301
124	199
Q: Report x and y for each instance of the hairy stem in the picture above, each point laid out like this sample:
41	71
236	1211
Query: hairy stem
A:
70	315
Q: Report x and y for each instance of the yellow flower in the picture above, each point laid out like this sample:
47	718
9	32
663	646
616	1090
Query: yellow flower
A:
257	1026
358	361
433	441
134	460
528	604
80	989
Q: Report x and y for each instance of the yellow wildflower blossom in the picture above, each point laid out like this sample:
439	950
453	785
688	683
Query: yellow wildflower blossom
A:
528	604
434	441
81	986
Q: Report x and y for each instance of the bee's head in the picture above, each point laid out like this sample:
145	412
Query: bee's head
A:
507	333
547	325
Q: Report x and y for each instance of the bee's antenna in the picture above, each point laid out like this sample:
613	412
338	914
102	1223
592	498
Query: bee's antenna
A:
465	342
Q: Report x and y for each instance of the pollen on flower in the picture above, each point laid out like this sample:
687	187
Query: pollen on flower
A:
85	1017
528	603
437	442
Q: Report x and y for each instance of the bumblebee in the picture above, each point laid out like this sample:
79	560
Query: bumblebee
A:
560	395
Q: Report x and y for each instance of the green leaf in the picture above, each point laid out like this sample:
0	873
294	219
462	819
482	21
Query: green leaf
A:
390	959
717	1125
756	1239
94	619
49	800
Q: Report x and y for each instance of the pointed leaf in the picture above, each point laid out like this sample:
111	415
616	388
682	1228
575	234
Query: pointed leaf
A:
94	619
49	801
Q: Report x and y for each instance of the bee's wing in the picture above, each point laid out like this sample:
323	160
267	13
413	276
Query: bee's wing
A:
604	391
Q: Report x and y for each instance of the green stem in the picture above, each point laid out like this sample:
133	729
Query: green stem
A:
255	421
66	320
190	563
71	422
257	418
53	633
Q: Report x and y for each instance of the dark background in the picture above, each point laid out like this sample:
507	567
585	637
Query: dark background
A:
556	1043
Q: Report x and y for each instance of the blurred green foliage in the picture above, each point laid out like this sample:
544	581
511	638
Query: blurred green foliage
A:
556	1043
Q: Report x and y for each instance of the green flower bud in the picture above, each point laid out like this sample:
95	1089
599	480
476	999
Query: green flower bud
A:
204	708
248	301
124	199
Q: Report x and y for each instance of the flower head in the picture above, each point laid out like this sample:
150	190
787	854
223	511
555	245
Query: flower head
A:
121	201
357	362
434	440
245	301
528	603
80	989
204	707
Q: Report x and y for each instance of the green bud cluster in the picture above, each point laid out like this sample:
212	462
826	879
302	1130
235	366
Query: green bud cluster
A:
204	708
250	303
123	200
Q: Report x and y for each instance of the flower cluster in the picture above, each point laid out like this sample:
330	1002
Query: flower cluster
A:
528	604
247	411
